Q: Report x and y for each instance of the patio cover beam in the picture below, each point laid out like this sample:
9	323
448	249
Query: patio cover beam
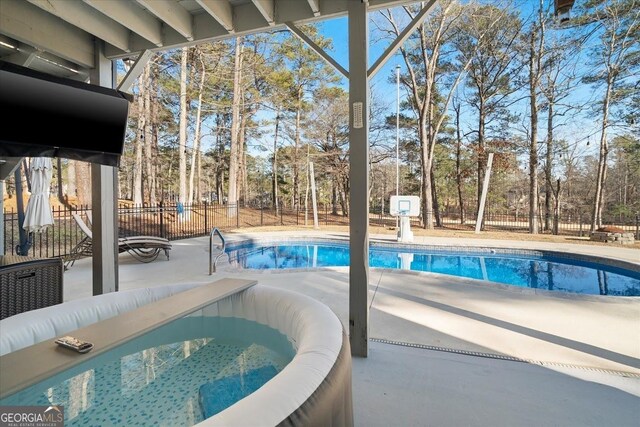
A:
134	72
315	7
104	181
173	14
317	49
131	16
90	20
358	178
267	10
221	11
402	37
35	27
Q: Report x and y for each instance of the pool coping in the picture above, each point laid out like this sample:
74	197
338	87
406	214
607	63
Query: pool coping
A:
30	365
489	250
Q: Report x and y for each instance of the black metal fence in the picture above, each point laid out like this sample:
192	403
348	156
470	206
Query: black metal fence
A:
176	221
569	223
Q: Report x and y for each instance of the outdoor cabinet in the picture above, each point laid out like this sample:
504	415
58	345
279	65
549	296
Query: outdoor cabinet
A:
27	284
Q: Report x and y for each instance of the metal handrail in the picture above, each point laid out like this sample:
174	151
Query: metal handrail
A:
212	262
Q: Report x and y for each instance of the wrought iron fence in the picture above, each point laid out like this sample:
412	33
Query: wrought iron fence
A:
175	221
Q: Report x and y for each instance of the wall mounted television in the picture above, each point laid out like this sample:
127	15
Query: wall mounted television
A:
47	116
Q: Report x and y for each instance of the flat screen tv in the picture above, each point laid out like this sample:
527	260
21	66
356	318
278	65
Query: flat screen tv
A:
46	116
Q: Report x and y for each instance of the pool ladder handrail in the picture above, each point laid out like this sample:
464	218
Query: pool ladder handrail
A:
212	261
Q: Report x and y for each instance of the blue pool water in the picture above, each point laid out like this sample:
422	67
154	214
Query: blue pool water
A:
166	376
532	271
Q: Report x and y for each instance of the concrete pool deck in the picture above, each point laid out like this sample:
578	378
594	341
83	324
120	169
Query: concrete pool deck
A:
583	351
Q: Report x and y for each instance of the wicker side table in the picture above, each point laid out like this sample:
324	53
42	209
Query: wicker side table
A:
29	283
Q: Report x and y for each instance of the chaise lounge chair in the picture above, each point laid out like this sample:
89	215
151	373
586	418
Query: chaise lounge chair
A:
142	248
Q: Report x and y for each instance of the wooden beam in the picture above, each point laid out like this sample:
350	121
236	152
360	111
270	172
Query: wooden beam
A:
317	49
315	7
35	27
131	16
88	19
174	15
221	11
266	9
404	35
134	72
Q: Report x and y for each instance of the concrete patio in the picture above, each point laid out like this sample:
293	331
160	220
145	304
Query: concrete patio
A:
450	351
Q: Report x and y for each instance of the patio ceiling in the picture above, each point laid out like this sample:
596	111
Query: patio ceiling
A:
57	36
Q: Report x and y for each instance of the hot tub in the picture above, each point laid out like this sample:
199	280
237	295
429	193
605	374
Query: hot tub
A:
313	389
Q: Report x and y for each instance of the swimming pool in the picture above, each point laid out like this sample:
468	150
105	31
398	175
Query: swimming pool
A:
531	269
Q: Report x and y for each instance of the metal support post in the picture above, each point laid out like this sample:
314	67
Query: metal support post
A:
359	178
104	181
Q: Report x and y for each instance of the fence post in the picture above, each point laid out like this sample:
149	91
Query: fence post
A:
261	214
162	233
237	213
206	222
580	225
638	226
281	215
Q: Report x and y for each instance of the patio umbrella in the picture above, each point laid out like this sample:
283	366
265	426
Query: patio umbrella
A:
38	214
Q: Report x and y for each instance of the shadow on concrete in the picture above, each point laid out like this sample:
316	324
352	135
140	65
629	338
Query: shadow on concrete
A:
564	342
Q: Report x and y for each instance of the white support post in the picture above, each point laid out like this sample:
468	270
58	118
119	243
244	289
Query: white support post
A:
485	189
136	69
359	178
104	181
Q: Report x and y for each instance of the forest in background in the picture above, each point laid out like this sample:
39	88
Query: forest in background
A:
243	120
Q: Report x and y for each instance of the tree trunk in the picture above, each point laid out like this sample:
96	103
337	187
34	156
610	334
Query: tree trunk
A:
149	150
242	156
196	139
549	160
182	155
139	145
274	165
434	192
596	218
533	143
72	189
458	163
157	186
234	151
482	160
296	173
83	183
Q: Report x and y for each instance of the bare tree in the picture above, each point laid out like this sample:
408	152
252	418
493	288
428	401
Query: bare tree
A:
428	65
182	143
616	65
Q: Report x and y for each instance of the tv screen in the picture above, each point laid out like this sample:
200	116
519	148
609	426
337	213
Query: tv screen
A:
54	117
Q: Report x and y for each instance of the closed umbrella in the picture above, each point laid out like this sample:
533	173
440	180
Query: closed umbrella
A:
38	214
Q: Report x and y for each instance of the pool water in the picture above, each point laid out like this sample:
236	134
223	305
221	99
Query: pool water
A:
157	379
531	271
